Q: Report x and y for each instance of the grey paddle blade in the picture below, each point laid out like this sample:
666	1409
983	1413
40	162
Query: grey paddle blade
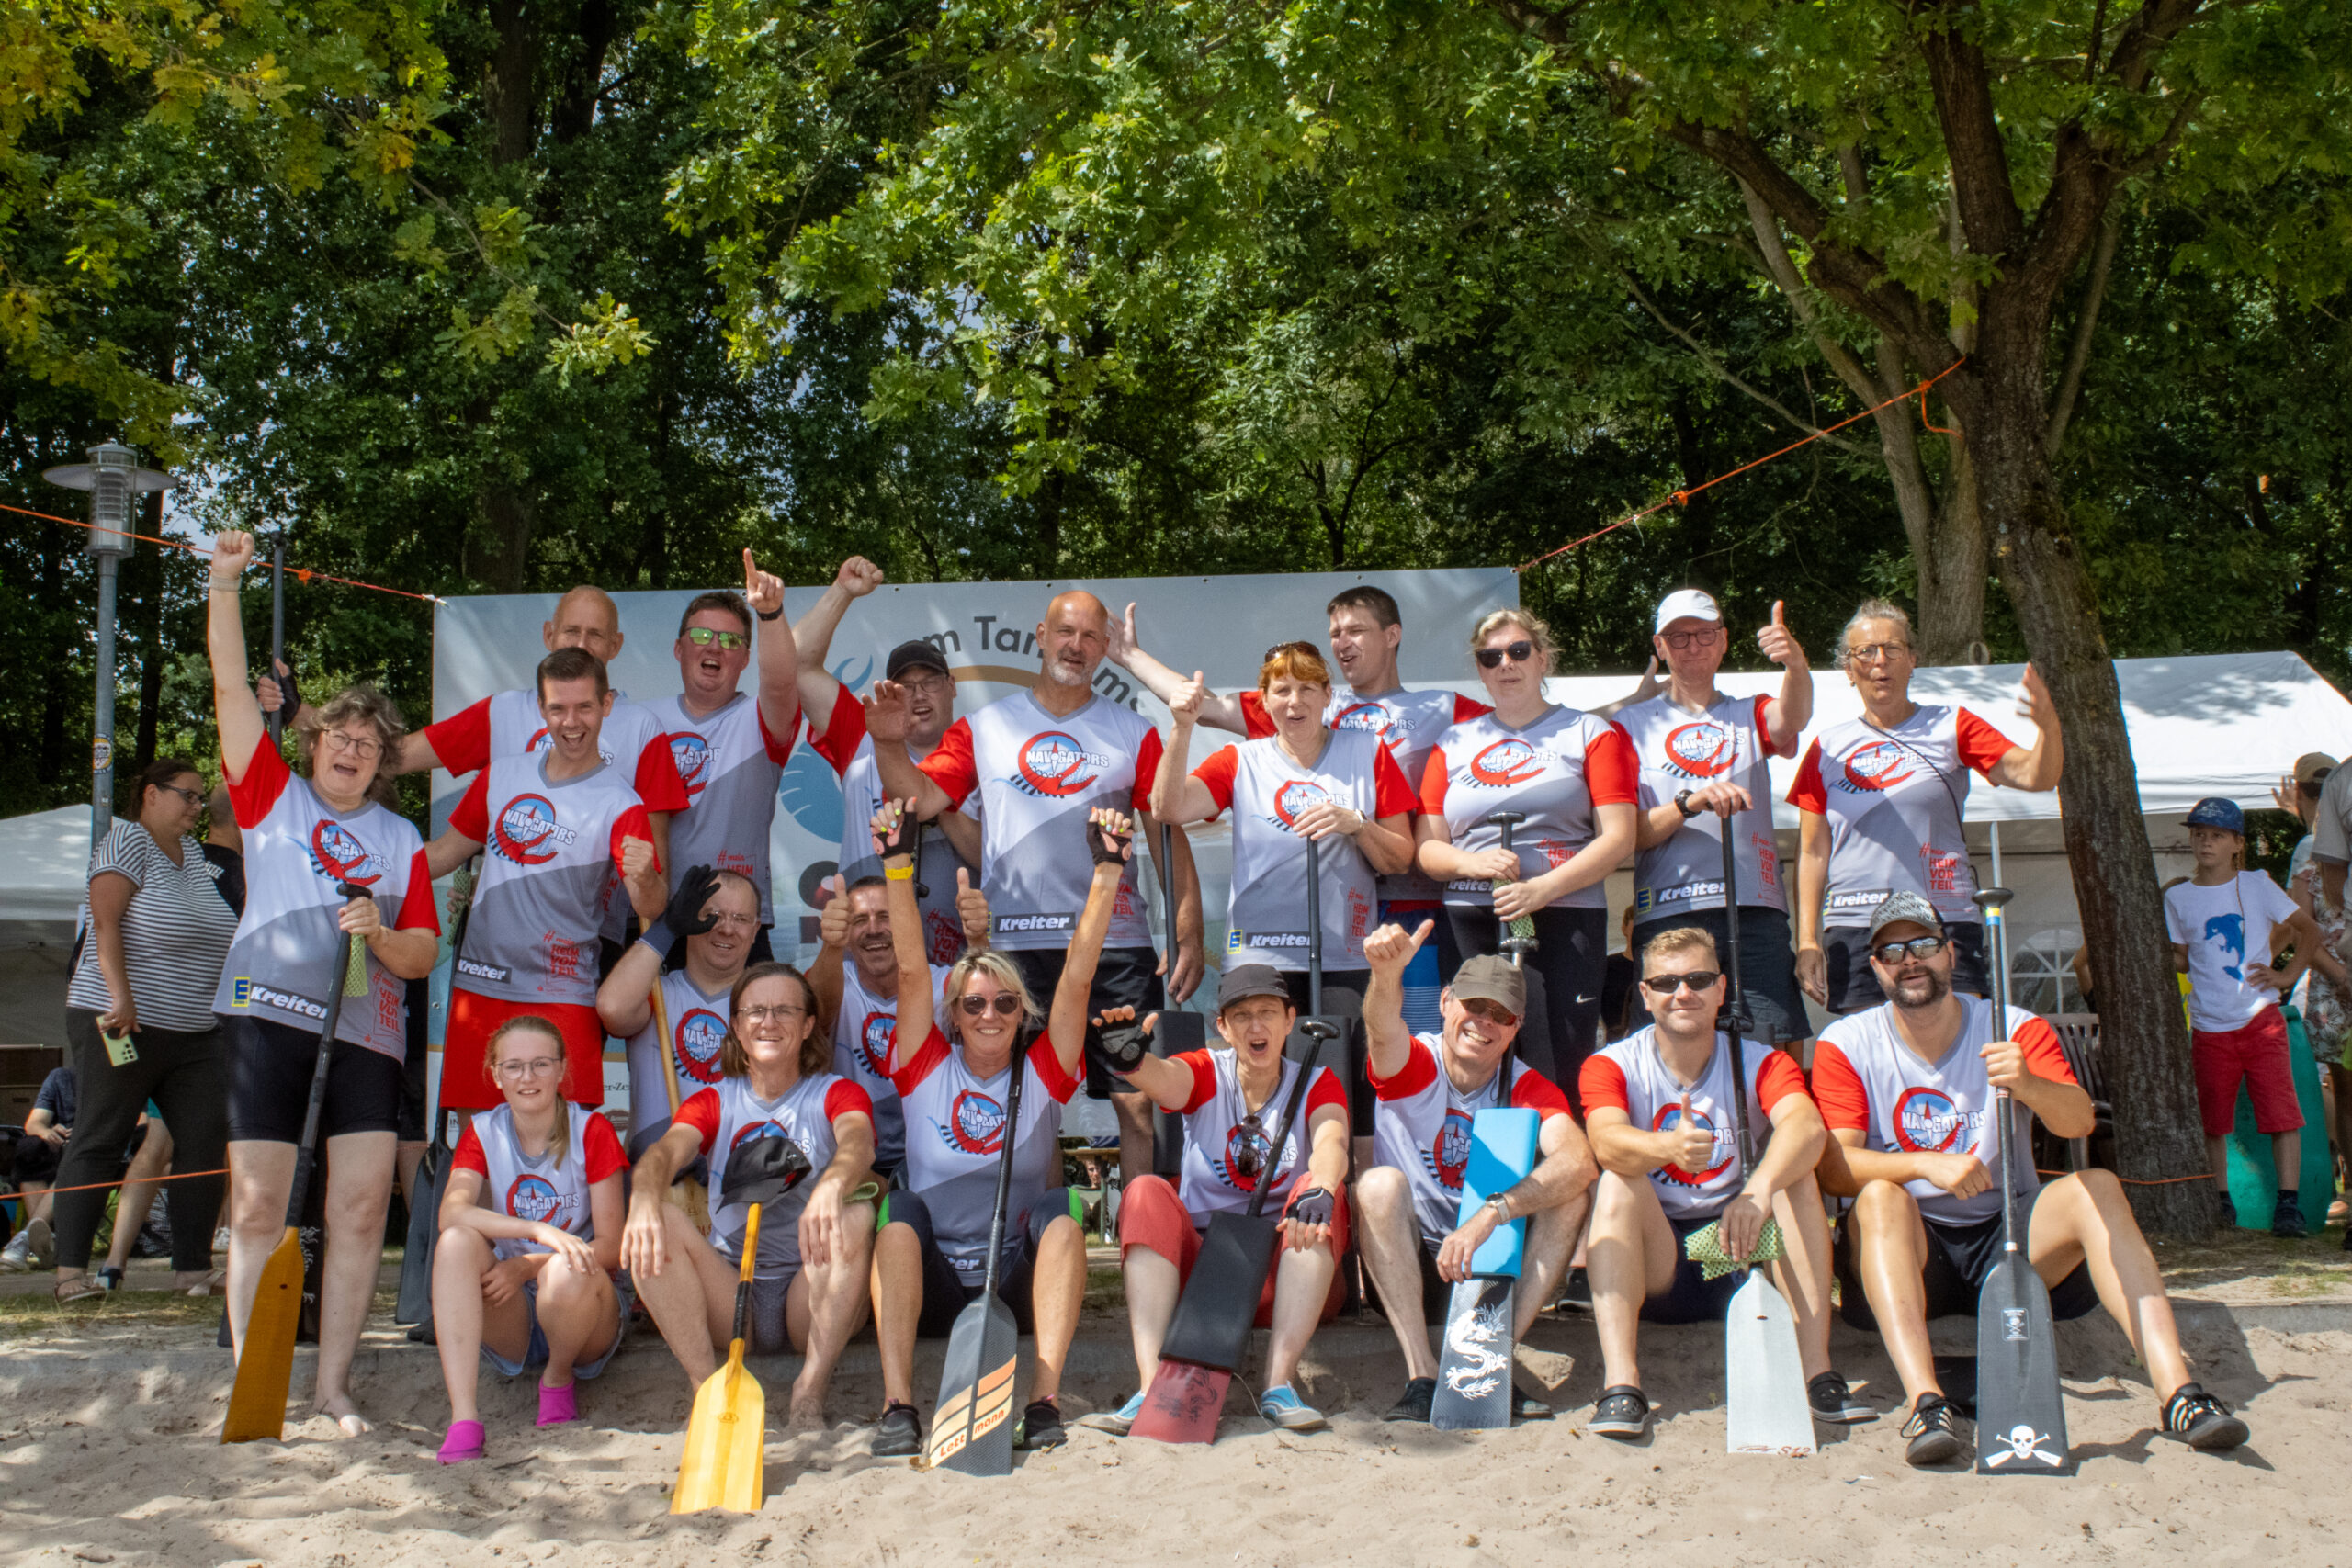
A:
2020	1410
971	1432
1763	1377
1473	1366
762	1171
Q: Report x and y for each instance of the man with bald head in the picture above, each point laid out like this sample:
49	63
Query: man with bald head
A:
1039	761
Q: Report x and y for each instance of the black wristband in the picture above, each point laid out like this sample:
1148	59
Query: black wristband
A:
1683	804
776	613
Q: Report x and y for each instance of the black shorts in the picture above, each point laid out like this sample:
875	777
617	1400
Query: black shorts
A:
1767	968
36	1159
1853	984
270	1065
1343	992
944	1293
411	1129
1126	976
1692	1297
1960	1257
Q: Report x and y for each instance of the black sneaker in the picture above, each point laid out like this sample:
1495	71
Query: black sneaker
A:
899	1435
1525	1406
1833	1401
1419	1394
2287	1221
2197	1418
1623	1413
1041	1427
1575	1291
1933	1432
2229	1215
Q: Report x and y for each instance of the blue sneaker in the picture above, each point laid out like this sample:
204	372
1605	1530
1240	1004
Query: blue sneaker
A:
1282	1407
1119	1422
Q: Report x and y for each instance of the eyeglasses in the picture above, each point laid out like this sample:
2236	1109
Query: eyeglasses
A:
783	1013
1682	641
703	636
1307	649
1877	652
193	796
1479	1008
365	748
536	1067
1697	980
1004	1004
1518	652
1893	953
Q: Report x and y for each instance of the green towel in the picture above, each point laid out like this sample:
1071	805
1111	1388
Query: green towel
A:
1705	1246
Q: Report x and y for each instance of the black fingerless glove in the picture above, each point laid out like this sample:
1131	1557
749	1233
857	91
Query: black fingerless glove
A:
289	695
1312	1207
1125	1046
684	916
1113	854
900	840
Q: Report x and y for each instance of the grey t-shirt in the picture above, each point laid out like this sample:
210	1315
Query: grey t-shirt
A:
2332	828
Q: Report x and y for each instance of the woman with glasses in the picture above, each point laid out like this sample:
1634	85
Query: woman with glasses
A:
304	839
530	1239
1880	801
1306	783
953	1073
1571	779
809	1279
138	1018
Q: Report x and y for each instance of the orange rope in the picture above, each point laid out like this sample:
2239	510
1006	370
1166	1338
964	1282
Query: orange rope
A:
98	1186
2136	1181
303	574
1682	497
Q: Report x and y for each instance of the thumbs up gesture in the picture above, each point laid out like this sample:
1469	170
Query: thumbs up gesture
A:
972	909
1776	643
1694	1147
833	921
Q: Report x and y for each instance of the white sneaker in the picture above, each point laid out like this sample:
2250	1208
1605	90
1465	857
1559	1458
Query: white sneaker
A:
18	1256
43	1242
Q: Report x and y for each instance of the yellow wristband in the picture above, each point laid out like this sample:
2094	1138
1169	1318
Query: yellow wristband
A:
899	873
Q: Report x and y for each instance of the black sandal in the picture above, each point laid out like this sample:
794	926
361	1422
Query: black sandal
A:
1622	1413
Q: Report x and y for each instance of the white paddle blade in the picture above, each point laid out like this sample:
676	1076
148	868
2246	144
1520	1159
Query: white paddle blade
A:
1763	1376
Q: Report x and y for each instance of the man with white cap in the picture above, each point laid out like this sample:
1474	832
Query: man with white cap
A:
1702	776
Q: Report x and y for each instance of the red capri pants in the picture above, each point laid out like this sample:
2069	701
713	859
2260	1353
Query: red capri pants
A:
2255	1053
1152	1216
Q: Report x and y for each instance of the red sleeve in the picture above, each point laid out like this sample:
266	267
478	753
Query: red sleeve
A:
1324	1090
462	740
950	766
701	1112
1763	735
2044	1057
1216	775
1612	775
419	912
1467	708
630	824
1533	1091
1048	1063
1203	1073
847	1098
1806	792
657	783
1419	1072
838	744
1778	1079
468	1156
1838	1089
264	780
1981	745
779	752
1433	783
1147	757
1391	796
925	1061
1255	723
471	816
1601	1081
601	1149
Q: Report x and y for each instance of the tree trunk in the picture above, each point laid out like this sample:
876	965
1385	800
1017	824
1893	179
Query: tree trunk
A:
1953	571
510	514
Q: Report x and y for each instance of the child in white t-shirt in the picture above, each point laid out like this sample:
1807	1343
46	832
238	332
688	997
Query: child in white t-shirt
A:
2226	925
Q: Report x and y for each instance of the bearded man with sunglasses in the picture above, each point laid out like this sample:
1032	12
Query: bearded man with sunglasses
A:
1908	1091
1426	1088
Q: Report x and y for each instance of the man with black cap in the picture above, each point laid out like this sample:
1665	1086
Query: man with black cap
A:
837	733
1907	1090
1426	1088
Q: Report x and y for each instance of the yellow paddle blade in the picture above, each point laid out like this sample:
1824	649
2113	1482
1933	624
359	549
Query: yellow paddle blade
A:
258	1400
725	1438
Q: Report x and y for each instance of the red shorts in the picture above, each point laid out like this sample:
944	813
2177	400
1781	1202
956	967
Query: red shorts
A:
465	1065
2256	1053
1152	1216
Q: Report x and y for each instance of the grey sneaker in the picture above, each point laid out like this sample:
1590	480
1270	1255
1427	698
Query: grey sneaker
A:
1281	1407
16	1257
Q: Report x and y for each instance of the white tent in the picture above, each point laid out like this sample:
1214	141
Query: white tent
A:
44	864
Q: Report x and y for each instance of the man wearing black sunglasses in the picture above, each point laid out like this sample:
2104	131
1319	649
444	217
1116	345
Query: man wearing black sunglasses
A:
1907	1090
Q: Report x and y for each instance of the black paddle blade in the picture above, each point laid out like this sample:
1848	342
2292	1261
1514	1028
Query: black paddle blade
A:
415	1303
1474	1367
762	1171
971	1432
1220	1301
2020	1411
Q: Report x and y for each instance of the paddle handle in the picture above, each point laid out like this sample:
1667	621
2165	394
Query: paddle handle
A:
277	630
1004	1170
669	1046
1314	931
1517	935
743	1276
306	1153
1739	999
1316	1031
1991	901
1167	866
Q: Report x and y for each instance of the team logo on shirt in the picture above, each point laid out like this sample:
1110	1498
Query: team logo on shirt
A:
753	1132
1700	749
1670	1117
1372	717
1054	764
975	1124
700	1035
1928	1122
337	854
1881	765
526	831
1292	798
533	1198
1449	1152
690	752
874	1042
1505	764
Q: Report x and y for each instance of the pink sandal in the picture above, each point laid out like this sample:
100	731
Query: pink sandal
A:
463	1442
557	1406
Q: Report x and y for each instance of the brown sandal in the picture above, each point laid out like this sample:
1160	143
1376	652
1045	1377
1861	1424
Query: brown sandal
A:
200	1285
78	1287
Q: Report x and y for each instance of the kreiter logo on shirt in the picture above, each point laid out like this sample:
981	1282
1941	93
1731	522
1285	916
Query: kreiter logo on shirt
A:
1669	1117
337	854
1881	765
1294	796
1703	749
1505	764
700	1035
1053	763
527	833
1926	1122
690	752
532	1198
975	1123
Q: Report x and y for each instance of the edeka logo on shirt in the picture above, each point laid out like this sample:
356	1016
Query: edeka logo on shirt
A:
533	1198
975	1124
1668	1118
337	854
1505	764
700	1035
1291	799
1700	749
1926	1121
1877	767
1054	764
526	831
1451	1151
690	752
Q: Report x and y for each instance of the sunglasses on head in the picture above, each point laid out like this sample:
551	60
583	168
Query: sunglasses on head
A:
1306	648
1004	1004
1666	984
703	636
1518	652
1894	952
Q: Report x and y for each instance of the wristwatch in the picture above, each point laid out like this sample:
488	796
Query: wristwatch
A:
1683	804
770	614
1501	1204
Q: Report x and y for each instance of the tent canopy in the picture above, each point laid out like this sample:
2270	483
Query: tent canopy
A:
45	865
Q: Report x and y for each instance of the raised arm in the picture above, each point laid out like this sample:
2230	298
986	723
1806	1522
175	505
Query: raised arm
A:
1158	1078
885	721
1388	1039
1217	713
1176	795
1786	716
2034	767
894	833
833	946
812	636
1110	838
779	659
233	704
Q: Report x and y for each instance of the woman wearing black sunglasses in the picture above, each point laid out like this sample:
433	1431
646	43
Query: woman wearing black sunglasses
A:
954	1076
1571	777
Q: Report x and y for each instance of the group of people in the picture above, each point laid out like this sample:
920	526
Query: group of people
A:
989	919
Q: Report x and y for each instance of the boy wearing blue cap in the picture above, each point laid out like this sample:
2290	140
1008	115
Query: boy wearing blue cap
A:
2226	924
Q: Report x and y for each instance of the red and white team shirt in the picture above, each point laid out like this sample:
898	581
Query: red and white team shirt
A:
731	764
507	724
697	1031
862	1030
844	743
1266	792
1038	776
523	1187
1556	772
281	963
1679	750
550	867
1421	1124
1894	799
728	1115
1865	1078
1630	1076
1222	1134
956	1129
